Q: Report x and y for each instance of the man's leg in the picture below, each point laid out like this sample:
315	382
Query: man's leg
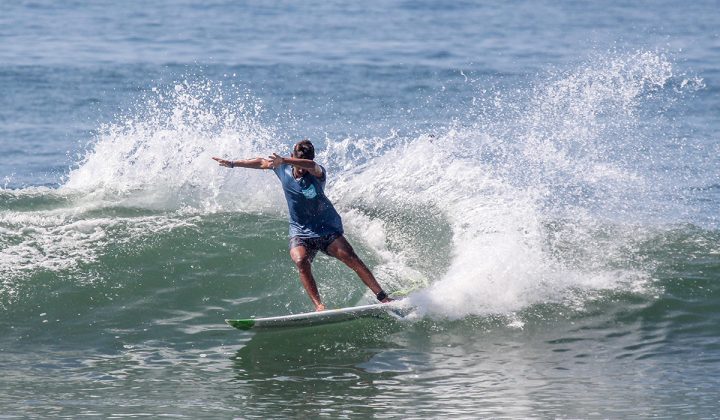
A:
341	249
303	262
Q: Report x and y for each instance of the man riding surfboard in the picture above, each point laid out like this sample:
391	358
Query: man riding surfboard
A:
315	225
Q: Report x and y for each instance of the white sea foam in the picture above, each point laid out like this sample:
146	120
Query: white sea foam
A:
64	240
514	190
160	157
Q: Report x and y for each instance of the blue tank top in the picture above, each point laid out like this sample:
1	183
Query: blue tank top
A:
311	213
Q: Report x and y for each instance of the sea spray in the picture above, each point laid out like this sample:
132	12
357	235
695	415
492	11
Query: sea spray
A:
529	194
159	156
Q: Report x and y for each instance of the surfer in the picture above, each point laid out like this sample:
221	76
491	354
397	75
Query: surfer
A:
315	225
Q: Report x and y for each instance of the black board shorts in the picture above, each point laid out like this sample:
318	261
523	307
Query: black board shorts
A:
313	245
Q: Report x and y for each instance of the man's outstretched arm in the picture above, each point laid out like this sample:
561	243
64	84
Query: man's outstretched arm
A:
256	163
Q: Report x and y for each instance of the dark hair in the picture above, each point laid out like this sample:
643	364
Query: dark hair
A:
304	149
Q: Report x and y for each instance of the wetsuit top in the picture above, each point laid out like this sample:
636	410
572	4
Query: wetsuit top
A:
312	215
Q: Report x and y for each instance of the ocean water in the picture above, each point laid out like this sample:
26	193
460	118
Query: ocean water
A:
541	178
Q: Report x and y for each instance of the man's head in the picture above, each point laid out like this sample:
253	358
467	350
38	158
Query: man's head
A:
304	149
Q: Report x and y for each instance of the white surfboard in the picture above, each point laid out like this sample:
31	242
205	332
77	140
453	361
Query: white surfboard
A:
393	309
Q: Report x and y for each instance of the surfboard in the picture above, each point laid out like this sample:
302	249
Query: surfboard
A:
328	316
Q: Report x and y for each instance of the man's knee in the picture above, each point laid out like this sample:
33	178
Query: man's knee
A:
343	251
302	261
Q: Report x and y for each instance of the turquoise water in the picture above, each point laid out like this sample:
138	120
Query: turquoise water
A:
544	178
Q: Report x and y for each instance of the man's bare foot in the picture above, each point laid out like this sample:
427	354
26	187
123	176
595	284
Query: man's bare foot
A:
319	307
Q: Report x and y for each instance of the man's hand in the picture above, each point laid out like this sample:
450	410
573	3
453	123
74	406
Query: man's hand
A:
223	162
276	160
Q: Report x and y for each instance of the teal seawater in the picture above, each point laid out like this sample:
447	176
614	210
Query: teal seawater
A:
542	178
